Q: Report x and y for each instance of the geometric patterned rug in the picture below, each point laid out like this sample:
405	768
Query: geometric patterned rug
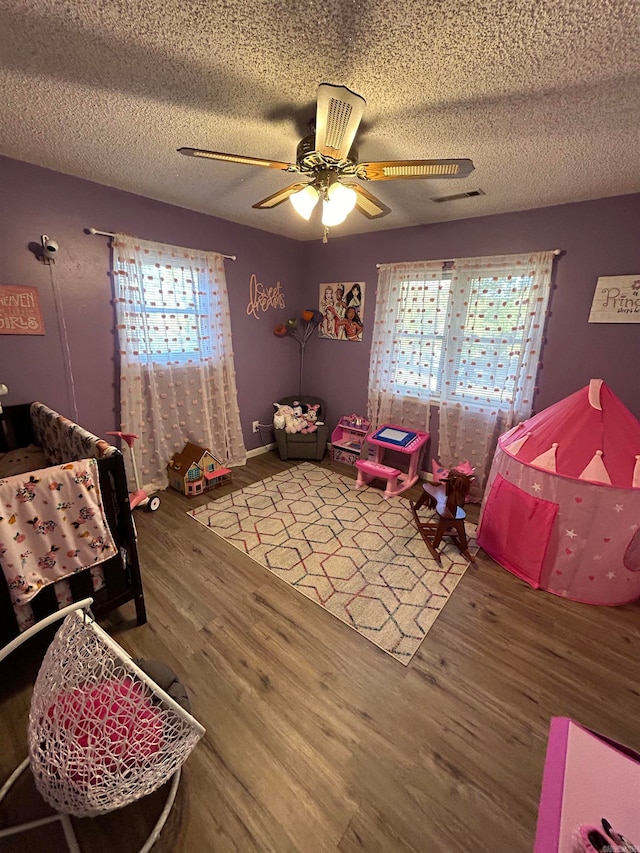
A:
350	550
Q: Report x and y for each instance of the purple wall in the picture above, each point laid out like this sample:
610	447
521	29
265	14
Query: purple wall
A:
597	238
37	201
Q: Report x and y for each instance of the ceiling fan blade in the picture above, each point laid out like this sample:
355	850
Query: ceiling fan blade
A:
338	117
391	170
367	203
238	158
279	196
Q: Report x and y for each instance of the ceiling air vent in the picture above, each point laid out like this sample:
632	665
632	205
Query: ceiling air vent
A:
455	197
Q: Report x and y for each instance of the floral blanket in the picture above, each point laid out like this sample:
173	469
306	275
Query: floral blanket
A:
63	440
52	525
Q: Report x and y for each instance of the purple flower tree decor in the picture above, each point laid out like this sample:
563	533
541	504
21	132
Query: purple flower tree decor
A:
300	331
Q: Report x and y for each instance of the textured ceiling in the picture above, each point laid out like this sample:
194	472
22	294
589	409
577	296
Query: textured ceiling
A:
543	96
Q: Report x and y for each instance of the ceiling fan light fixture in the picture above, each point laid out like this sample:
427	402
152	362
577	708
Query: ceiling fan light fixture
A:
304	201
327	161
338	204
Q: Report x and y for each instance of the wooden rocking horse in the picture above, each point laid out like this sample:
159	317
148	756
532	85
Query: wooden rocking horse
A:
447	498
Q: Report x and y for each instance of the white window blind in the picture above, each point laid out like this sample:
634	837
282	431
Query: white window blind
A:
420	338
473	339
489	336
174	313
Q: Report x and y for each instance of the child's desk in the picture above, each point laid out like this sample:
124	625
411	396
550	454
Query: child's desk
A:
392	437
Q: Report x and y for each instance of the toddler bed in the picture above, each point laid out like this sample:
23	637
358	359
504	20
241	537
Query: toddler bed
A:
42	456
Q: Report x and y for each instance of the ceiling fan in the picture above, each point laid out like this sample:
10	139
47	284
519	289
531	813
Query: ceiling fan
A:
330	159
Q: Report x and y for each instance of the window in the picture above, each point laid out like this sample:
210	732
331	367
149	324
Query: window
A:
175	314
493	335
420	337
476	349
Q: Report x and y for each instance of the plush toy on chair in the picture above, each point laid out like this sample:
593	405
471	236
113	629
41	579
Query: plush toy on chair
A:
447	496
309	439
285	418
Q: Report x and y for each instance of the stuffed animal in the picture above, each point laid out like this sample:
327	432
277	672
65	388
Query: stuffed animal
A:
284	418
310	418
279	415
293	423
312	412
297	409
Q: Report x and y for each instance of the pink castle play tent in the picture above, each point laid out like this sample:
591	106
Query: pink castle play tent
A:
562	505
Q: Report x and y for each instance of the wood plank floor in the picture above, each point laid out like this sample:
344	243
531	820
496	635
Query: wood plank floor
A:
318	741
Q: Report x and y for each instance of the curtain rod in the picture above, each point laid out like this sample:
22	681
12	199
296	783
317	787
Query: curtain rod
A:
451	261
97	233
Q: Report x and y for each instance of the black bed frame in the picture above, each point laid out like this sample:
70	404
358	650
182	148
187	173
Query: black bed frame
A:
123	582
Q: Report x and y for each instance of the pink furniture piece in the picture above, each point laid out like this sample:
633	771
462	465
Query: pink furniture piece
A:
397	481
587	777
562	505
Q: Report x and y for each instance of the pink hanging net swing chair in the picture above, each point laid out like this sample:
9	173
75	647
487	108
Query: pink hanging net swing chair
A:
102	734
562	505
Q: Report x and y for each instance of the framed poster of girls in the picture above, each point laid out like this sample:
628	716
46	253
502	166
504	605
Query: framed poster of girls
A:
342	307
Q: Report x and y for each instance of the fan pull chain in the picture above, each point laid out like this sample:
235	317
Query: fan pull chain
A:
325	236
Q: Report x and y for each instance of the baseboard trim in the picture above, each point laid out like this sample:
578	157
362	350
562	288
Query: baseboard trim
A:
258	451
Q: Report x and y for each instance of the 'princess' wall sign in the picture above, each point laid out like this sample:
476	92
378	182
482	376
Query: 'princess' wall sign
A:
616	300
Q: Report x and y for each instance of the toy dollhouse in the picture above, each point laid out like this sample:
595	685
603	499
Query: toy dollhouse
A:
196	470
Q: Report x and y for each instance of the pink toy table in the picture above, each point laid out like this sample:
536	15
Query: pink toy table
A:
397	481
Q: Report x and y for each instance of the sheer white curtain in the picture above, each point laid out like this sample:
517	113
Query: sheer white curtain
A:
463	335
498	308
177	375
406	350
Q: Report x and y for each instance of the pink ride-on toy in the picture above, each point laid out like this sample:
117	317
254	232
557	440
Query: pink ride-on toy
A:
139	497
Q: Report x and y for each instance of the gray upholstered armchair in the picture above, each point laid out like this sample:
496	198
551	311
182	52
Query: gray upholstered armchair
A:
300	445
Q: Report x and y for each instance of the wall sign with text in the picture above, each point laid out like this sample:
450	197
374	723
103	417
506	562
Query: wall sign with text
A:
20	312
262	298
616	300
